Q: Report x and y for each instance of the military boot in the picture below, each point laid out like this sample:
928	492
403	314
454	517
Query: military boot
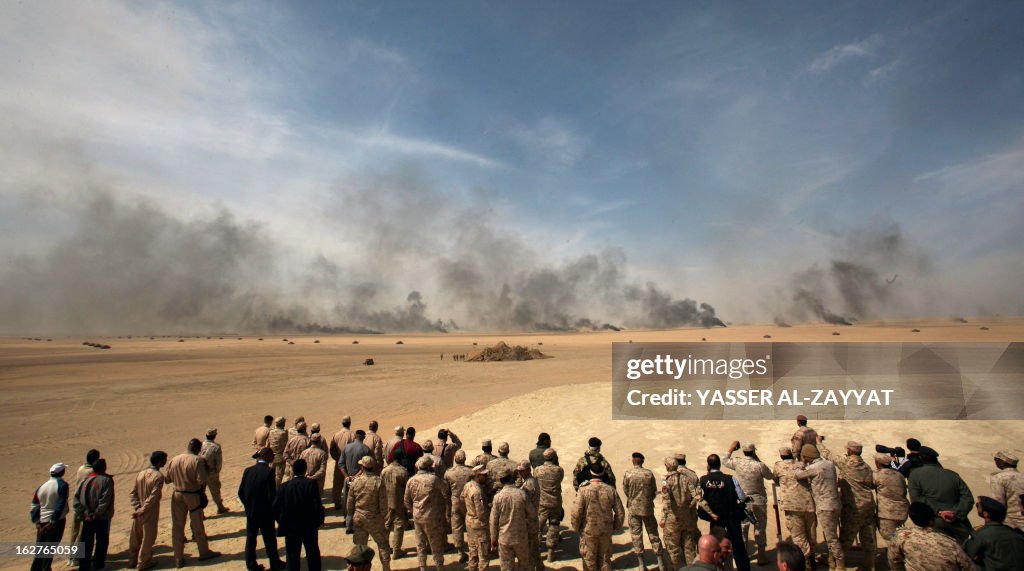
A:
551	554
640	562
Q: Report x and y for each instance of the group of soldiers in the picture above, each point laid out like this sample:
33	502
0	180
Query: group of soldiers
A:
514	509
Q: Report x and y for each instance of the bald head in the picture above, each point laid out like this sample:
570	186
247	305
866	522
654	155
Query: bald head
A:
707	549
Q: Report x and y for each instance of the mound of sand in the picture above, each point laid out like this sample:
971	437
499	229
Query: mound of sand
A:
503	352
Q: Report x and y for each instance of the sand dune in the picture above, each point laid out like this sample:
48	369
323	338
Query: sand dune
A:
62	398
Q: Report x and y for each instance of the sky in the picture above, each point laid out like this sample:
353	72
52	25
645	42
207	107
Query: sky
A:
728	153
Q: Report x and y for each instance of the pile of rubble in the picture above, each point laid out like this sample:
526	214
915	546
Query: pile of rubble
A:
503	352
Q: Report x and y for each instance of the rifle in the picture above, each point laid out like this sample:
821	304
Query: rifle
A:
775	506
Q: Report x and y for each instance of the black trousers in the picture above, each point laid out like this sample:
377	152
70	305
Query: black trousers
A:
294	542
52	535
256	525
96	535
734	531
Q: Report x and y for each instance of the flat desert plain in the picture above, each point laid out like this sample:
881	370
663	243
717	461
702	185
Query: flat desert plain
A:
62	398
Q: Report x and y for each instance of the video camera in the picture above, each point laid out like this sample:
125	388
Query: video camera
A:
897	451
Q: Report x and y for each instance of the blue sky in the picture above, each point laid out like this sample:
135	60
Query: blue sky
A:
716	144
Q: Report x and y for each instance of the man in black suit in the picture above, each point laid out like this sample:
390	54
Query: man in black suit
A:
300	513
257	492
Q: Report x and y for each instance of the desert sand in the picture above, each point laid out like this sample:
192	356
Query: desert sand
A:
62	398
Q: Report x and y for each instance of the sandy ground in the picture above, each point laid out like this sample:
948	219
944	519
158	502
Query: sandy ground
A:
62	398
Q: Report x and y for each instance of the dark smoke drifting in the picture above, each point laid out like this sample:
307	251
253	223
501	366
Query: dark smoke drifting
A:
421	264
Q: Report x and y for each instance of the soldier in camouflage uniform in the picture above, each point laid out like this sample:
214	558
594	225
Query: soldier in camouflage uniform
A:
827	507
426	497
439	465
531	487
375	443
1007	486
797	503
922	548
341	439
368	503
856	488
322	443
497	465
395	477
803	435
478	520
585	465
681	495
297	444
751	473
485	456
640	488
316	460
891	494
456	478
211	452
550	475
597	514
276	441
509	525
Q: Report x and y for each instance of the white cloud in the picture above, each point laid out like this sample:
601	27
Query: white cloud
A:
991	174
843	53
552	141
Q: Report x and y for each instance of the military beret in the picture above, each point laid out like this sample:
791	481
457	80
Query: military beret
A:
486	442
801	417
1006	456
749	447
810	451
638	455
594	442
425	463
854	446
550	454
785	451
996	510
359	555
913	444
503	448
920	511
928	452
367	462
597	469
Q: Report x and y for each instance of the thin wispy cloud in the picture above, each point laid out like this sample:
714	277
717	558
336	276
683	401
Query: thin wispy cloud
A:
843	53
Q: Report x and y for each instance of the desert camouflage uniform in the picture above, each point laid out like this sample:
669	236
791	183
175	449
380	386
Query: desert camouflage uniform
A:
917	549
446	450
316	465
456	478
592	457
803	435
374	442
827	507
439	466
797	505
394	477
426	497
368	503
856	488
510	513
1007	486
211	453
297	444
549	514
478	521
276	441
597	514
751	474
483	459
640	489
681	496
893	506
341	439
495	467
531	487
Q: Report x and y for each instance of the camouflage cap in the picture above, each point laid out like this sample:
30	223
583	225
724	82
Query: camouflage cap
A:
854	446
1007	456
316	437
749	447
785	451
486	442
367	462
300	425
299	419
427	446
503	448
882	459
315	427
425	463
680	457
346	418
550	454
810	451
279	421
670	463
211	433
